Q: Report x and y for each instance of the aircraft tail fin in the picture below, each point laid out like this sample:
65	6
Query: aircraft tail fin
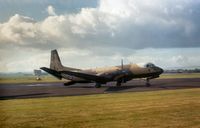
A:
56	64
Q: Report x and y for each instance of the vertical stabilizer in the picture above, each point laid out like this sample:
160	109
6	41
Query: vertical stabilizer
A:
55	63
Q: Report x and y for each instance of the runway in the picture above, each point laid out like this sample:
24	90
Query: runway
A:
35	90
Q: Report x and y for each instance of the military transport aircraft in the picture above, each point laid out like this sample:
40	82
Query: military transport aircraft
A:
120	74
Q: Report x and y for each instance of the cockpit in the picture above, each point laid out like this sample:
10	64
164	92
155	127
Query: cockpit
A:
151	68
149	65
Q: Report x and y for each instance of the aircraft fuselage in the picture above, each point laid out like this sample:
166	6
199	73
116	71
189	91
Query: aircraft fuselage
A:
115	73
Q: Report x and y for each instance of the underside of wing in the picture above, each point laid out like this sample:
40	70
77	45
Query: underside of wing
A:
86	76
52	72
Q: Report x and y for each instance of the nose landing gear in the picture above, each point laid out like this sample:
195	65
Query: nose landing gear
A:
148	82
97	85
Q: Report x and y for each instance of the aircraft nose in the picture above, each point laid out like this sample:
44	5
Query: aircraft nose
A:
161	70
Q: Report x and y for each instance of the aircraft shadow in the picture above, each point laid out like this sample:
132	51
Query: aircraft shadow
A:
109	87
178	86
77	86
121	88
21	96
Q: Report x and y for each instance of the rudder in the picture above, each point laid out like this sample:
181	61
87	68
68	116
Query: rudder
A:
55	63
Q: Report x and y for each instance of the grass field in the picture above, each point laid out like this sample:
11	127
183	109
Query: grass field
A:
180	75
158	109
48	78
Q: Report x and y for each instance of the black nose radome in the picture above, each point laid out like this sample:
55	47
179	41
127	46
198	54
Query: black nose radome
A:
161	70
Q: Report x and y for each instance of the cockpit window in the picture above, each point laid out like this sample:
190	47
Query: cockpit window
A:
149	65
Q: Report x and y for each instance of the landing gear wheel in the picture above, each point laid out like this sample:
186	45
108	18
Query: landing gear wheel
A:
118	84
147	83
66	84
97	85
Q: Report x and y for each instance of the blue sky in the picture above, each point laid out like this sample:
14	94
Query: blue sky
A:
89	33
36	8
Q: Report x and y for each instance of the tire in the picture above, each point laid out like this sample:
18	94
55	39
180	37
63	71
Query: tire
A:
118	84
148	84
97	85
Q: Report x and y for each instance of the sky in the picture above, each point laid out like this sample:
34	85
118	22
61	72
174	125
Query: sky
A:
96	33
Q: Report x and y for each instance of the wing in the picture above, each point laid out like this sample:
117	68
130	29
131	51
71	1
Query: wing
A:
89	77
52	72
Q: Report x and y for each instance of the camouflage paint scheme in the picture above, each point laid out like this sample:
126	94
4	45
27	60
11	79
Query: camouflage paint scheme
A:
120	74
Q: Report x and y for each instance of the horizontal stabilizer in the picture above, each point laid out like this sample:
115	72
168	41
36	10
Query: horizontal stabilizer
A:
89	77
52	72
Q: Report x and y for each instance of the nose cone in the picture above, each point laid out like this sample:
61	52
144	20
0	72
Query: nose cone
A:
161	70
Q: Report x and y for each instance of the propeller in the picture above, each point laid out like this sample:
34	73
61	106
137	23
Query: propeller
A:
120	74
122	65
123	71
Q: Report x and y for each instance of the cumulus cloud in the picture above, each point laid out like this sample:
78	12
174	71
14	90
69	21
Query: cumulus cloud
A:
51	10
112	27
16	29
124	23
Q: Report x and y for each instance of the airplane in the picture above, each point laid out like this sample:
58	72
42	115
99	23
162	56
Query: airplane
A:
120	74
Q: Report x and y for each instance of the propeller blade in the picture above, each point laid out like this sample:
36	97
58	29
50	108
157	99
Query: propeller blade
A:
122	65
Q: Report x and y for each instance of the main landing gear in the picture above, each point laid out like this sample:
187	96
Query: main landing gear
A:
119	83
97	85
147	82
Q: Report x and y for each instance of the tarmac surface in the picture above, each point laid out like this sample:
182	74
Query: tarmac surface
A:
36	90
